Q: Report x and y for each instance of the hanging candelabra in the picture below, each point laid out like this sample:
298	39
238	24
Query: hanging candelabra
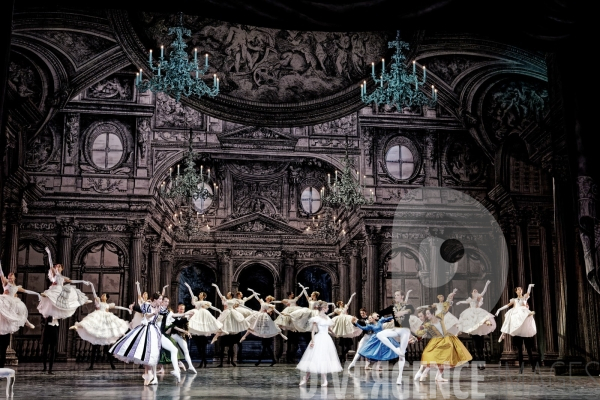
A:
346	189
188	224
327	228
178	76
398	87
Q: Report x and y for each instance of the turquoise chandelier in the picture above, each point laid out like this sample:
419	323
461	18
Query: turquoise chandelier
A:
178	76
398	87
346	189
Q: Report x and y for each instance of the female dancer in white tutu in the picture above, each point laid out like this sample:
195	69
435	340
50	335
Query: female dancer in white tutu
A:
260	323
321	355
519	323
101	327
137	316
203	322
241	302
301	317
450	320
142	345
283	320
233	321
343	328
61	300
476	321
13	312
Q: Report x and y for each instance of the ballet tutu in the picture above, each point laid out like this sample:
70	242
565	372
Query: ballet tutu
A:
261	325
285	322
322	358
233	321
165	356
13	314
447	351
203	323
61	301
374	349
451	323
245	311
343	327
519	322
476	321
101	327
140	346
136	320
301	319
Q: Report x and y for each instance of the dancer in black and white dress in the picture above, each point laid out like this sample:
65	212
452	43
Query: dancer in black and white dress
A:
519	323
321	355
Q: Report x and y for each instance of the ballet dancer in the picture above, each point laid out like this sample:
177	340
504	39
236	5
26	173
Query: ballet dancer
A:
137	316
423	371
321	355
49	343
168	344
363	320
61	300
300	318
519	323
343	327
450	320
444	348
284	320
373	349
401	330
142	344
241	302
477	322
178	330
233	323
101	327
260	323
13	312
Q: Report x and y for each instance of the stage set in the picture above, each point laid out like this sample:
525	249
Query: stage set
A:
312	200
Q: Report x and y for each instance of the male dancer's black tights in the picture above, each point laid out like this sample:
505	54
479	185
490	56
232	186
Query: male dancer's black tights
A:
4	342
519	341
201	342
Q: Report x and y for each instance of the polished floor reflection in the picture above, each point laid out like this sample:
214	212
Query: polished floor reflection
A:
72	381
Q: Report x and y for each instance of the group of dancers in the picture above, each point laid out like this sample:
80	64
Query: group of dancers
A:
156	335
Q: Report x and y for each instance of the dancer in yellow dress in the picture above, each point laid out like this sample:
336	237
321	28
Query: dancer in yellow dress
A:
444	349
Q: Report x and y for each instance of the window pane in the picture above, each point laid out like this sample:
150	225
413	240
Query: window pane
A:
310	200
410	263
394	169
393	154
415	295
99	158
21	257
92	259
406	154
111	283
93	278
114	142
99	143
110	259
35	258
113	158
407	170
36	282
396	263
107	155
203	205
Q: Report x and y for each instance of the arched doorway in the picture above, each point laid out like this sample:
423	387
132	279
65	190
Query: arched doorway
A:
260	279
200	278
316	279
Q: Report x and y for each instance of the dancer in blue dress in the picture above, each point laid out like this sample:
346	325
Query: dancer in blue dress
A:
375	349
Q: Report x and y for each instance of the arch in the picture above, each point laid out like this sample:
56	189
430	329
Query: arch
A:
333	273
267	264
412	249
329	292
44	241
194	273
79	253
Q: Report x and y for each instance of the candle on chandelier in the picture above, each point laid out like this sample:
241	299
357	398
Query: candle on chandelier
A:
215	80
209	174
137	78
362	92
150	58
206	61
432	91
336	176
196	74
170	172
371	194
162	51
140	75
196	57
217	83
435	94
177	169
381	80
424	73
414	67
198	215
365	88
382	66
373	68
201	168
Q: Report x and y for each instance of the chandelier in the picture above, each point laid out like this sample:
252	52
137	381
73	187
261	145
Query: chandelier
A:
346	189
398	87
188	224
178	76
326	228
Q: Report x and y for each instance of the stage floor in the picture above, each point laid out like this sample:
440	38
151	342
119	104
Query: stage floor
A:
246	381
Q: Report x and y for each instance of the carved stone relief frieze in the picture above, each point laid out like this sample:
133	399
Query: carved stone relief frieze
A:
43	151
104	185
79	47
115	87
171	114
71	137
258	168
342	126
449	67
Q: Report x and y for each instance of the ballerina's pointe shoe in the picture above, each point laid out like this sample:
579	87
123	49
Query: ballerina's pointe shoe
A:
418	376
154	381
177	375
399	380
302	382
29	325
73	327
181	366
324	383
192	370
423	377
440	378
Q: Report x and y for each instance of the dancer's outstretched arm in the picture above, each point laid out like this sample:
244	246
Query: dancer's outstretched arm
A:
191	293
504	307
30	292
350	300
223	298
301	293
304	291
461	302
529	290
450	297
485	288
121	308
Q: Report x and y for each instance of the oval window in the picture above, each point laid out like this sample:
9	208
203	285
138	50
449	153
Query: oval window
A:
107	150
400	162
310	200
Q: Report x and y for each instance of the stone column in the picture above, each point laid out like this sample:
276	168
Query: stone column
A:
166	271
13	217
343	273
371	294
65	240
550	353
356	280
289	270
226	269
508	354
137	229
154	265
